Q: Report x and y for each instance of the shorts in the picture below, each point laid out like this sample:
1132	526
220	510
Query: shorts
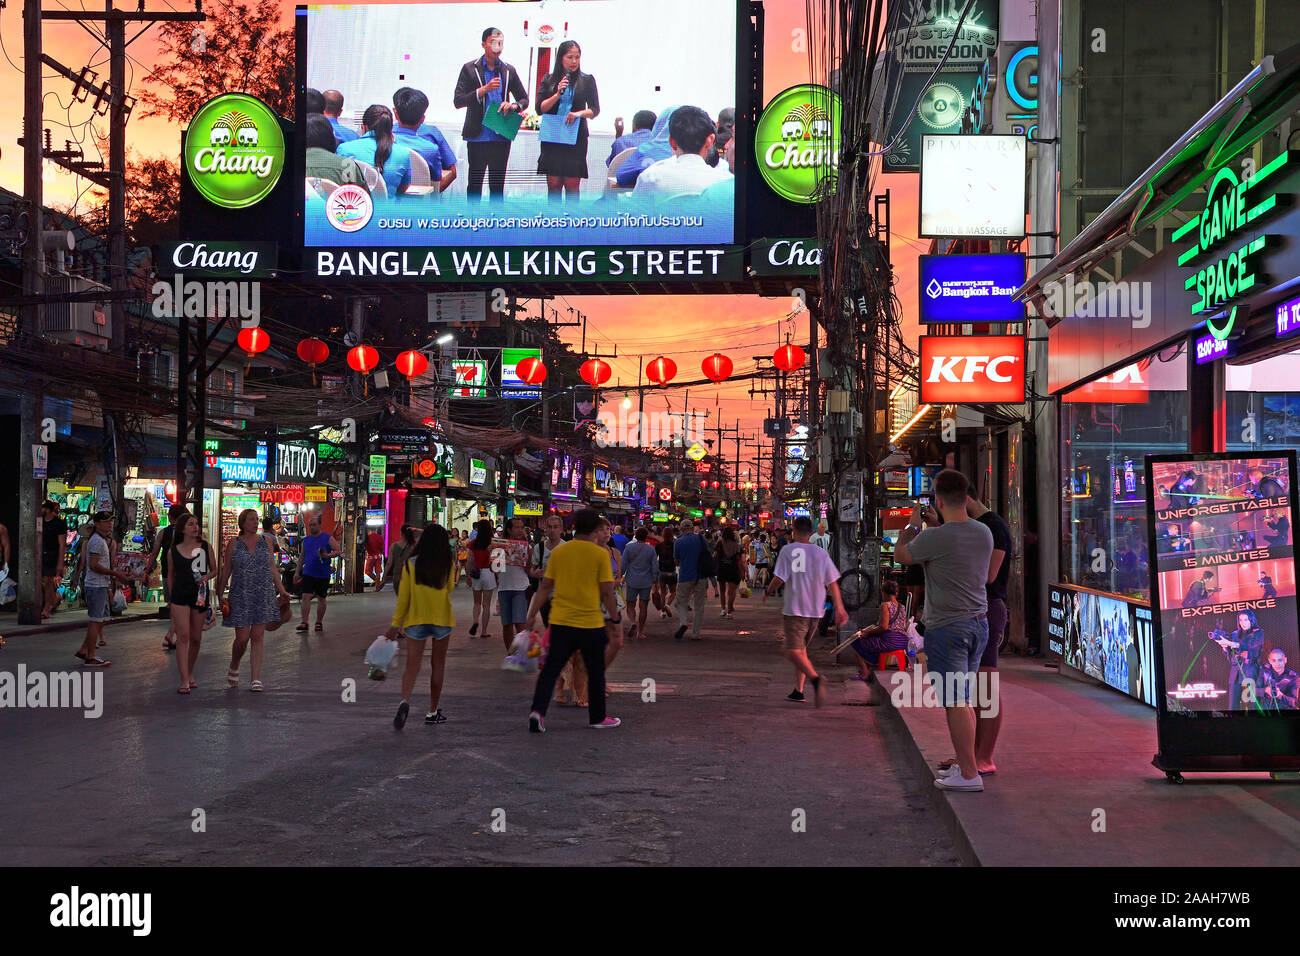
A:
638	594
797	631
952	656
98	602
668	578
486	581
512	606
319	587
997	627
418	632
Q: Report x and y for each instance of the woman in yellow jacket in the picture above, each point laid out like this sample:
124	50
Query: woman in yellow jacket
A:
424	611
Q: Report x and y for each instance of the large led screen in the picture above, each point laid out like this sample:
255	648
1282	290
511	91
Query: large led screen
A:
590	123
1225	583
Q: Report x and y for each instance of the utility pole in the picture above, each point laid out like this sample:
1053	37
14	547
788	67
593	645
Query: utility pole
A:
27	559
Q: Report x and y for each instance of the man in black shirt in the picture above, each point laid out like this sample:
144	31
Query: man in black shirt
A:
54	540
990	717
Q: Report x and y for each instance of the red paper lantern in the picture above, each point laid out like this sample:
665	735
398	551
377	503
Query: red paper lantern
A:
531	371
595	372
313	351
788	357
412	364
253	340
717	367
362	359
661	370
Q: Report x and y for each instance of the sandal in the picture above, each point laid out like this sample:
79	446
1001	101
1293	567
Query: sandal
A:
256	686
183	690
320	626
194	685
301	627
232	678
169	647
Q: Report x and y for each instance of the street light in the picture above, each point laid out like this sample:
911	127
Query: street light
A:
444	339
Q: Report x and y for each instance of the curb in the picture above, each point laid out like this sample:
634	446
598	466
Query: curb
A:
24	630
911	751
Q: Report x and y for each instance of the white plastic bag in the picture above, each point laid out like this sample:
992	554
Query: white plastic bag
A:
380	655
525	653
915	641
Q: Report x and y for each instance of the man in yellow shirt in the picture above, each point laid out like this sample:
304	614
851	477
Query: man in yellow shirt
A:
578	581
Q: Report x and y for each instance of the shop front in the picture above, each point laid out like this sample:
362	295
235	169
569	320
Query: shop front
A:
1193	351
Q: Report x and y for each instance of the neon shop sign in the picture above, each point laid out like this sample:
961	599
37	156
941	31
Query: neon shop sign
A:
1223	228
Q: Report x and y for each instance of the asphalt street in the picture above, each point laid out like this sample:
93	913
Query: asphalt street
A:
717	769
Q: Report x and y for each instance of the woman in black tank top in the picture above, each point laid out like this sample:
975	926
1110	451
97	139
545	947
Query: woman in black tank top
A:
190	569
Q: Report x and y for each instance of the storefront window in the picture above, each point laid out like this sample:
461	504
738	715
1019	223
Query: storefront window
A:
1263	407
1107	428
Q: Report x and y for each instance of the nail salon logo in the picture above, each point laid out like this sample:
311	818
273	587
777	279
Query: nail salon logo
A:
234	150
349	208
797	141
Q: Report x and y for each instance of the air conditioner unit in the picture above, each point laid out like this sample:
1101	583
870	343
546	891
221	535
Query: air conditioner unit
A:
86	323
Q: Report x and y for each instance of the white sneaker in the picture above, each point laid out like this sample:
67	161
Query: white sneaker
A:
956	781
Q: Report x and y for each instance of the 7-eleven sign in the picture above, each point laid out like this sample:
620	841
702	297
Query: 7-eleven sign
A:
471	377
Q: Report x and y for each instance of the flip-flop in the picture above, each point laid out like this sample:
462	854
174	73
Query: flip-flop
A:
256	686
301	627
183	690
320	626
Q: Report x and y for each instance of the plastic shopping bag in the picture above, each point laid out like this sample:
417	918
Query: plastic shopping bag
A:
380	656
524	654
915	640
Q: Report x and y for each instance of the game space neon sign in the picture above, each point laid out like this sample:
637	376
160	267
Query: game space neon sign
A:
1231	206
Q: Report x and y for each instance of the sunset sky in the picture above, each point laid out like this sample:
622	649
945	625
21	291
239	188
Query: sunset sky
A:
685	328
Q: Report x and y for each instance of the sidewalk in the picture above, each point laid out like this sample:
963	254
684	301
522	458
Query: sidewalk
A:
74	620
1068	749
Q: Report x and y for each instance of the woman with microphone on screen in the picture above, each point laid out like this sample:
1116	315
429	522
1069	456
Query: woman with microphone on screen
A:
567	98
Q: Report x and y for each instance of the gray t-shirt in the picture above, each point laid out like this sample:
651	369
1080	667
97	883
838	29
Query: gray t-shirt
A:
956	557
97	547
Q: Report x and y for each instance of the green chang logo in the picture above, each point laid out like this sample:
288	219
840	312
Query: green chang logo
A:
797	141
234	150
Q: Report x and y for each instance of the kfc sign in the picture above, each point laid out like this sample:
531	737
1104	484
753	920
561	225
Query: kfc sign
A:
982	368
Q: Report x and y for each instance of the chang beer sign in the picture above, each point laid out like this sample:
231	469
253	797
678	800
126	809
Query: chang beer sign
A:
1226	243
797	142
234	150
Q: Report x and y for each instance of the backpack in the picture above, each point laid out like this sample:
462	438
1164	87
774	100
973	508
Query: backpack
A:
706	567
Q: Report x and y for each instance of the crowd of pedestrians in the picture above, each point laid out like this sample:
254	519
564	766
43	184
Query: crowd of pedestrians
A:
580	593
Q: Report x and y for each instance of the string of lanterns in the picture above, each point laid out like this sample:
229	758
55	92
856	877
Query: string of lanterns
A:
595	372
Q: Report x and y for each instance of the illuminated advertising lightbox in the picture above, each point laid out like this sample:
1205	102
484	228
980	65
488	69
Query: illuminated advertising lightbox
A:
537	115
971	288
234	150
973	187
972	368
1223	585
1105	637
241	468
512	386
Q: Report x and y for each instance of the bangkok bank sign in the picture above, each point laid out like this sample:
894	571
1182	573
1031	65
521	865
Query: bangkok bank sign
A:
797	142
972	369
234	150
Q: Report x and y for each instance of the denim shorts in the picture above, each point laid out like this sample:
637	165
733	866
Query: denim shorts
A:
635	594
952	656
418	632
512	606
97	603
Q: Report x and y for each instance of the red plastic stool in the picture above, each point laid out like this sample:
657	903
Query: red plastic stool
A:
899	657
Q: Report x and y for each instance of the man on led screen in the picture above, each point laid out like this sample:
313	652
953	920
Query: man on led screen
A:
488	84
334	107
1279	684
686	173
643	124
1281	526
1266	583
410	106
